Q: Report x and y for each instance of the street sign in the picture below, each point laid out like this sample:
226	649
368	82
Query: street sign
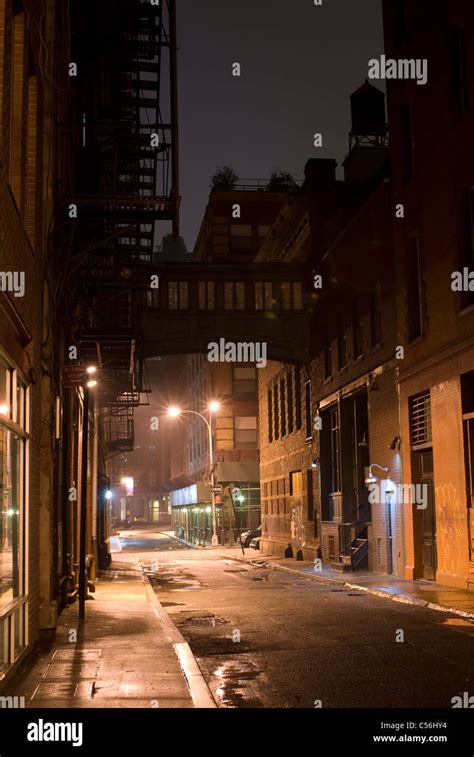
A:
74	375
217	489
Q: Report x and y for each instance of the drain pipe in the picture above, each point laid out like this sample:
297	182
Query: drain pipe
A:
95	458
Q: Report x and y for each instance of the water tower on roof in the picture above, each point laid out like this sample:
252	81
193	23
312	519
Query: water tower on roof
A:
369	126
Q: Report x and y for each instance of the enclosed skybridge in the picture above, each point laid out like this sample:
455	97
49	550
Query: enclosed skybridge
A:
180	308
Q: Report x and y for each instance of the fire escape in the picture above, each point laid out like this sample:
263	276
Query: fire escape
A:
125	178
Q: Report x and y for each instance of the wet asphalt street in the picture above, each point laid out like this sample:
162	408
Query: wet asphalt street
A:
266	638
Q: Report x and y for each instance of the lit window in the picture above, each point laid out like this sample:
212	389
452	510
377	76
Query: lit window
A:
296	483
13	512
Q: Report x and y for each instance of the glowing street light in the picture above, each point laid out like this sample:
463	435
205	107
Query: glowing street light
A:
213	407
91	369
4	409
108	494
91	384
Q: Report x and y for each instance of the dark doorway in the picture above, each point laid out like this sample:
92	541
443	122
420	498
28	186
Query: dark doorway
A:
424	470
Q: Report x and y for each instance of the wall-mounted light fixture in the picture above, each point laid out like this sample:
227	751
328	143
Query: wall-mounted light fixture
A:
372	479
395	443
315	462
365	440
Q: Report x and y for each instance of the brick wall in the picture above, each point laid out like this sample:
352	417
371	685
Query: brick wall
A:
24	320
285	519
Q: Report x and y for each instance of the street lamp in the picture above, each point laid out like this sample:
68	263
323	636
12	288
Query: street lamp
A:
89	384
213	407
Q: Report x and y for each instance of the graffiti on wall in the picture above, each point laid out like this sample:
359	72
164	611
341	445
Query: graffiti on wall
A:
451	529
298	537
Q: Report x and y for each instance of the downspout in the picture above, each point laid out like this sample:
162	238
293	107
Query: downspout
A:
95	462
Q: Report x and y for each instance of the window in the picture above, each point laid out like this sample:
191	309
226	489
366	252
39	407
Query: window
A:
152	298
335	466
234	295
296	483
420	419
289	401
414	296
270	416
241	237
245	431
341	344
298	397
376	315
206	295
2	54
286	295
297	289
263	295
178	295
291	295
245	380
460	71
282	407
308	411
400	22
309	494
31	148
327	360
16	110
357	344
14	422
467	256
408	166
276	415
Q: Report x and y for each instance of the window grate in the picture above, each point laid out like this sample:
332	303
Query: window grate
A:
420	419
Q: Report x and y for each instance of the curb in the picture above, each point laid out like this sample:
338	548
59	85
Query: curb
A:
376	592
199	690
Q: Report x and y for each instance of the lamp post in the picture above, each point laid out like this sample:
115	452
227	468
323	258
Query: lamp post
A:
83	513
174	412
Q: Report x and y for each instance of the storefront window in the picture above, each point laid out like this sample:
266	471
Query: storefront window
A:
13	465
9	516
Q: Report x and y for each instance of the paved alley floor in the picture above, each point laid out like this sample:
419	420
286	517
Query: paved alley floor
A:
273	638
124	657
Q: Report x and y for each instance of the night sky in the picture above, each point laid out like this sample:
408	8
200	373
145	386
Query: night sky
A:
300	63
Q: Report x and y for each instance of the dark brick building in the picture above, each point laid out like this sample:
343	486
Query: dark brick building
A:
431	129
32	72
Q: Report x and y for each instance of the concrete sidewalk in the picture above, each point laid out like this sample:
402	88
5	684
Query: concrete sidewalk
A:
129	654
418	592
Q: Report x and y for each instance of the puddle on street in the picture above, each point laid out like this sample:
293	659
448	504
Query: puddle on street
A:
175	581
236	684
204	622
